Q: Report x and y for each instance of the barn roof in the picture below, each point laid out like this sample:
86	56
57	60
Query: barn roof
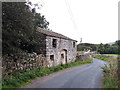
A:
53	34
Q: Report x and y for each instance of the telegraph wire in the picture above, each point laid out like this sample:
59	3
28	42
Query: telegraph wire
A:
72	18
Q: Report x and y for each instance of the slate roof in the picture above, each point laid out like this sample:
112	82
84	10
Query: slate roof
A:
53	34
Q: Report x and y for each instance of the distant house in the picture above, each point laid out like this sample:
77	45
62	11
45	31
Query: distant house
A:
57	48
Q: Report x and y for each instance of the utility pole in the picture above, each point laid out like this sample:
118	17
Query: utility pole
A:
81	40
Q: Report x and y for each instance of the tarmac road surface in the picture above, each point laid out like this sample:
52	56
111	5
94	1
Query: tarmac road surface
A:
85	76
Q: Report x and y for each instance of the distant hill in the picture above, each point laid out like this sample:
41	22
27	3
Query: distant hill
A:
93	47
111	43
83	46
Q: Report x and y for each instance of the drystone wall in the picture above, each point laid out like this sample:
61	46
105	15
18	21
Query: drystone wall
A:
21	63
84	57
110	56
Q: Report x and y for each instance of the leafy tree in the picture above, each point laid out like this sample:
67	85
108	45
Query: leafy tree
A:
106	46
19	25
117	42
108	49
82	46
40	21
88	48
101	48
111	50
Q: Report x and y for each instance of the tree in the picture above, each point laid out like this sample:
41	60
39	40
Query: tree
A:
19	26
101	48
39	20
106	46
111	50
88	48
117	42
108	49
82	46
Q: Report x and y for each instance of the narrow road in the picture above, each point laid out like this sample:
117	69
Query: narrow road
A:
86	76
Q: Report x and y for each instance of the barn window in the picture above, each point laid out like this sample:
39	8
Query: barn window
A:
54	43
52	57
62	56
74	44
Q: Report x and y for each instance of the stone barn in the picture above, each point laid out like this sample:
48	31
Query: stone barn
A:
57	48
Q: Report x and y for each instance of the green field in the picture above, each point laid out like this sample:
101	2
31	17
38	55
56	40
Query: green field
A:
81	51
112	54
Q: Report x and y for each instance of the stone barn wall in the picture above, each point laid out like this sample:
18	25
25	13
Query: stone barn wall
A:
61	44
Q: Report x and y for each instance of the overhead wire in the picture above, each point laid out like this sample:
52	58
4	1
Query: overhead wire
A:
72	18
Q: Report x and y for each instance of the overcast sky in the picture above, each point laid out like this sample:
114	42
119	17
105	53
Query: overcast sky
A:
96	21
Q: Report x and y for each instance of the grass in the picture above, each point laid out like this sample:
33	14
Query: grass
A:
101	57
21	79
112	54
80	51
110	73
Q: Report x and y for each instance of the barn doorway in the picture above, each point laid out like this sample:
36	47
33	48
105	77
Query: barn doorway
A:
64	56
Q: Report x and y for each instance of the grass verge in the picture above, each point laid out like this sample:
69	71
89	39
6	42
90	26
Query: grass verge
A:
21	79
101	57
110	73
